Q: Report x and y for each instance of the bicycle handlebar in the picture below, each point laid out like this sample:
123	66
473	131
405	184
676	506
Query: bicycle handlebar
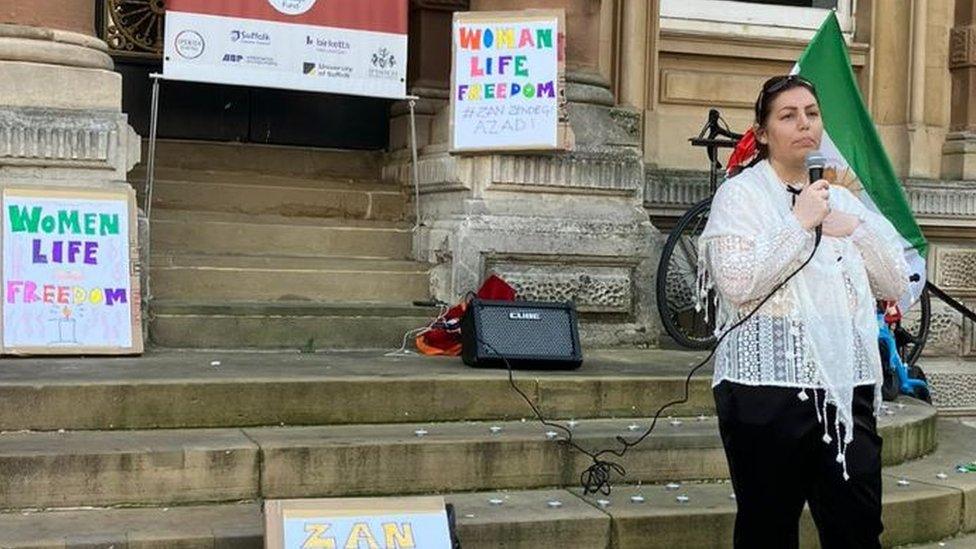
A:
713	135
713	128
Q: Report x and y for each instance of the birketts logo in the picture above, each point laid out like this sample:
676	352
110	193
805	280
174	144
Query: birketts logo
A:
384	59
250	37
308	68
232	58
189	44
327	45
292	7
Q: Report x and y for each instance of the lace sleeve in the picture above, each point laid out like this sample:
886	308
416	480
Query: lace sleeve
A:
747	256
880	247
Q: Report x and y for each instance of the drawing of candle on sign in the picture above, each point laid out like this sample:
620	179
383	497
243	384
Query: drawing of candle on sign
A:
65	317
66	327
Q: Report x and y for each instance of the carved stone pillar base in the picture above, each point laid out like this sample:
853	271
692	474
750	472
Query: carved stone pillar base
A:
598	125
61	115
959	156
556	226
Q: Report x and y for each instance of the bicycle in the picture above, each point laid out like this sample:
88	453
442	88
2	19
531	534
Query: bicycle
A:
677	273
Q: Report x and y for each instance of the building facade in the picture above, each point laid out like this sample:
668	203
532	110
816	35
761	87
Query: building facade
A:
585	225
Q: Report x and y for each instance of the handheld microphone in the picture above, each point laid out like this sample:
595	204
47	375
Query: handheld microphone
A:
815	164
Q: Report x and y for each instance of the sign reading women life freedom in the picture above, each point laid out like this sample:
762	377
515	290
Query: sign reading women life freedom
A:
69	279
506	81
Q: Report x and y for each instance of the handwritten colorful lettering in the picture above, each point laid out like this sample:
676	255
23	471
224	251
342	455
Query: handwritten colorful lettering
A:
506	83
66	276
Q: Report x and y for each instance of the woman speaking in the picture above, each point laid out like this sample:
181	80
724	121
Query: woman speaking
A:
797	386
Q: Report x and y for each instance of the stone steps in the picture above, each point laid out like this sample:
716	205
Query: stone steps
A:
959	541
171	467
925	508
306	162
258	194
222	278
229	526
176	231
284	325
239	229
238	389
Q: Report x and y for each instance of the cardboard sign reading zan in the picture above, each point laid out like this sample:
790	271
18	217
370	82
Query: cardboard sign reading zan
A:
386	523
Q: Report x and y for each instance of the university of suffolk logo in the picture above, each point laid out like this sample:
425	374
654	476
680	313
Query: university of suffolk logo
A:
308	68
292	7
384	59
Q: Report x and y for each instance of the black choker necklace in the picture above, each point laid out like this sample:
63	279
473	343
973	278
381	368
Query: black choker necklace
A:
794	191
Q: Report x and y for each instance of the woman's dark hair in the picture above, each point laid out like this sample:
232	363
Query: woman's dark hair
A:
770	89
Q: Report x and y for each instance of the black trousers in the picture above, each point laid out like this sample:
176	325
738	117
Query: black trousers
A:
778	461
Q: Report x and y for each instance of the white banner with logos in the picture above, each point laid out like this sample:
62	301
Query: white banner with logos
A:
252	52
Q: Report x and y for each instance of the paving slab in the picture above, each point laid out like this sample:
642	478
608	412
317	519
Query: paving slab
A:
961	541
957	446
707	518
42	470
528	520
211	527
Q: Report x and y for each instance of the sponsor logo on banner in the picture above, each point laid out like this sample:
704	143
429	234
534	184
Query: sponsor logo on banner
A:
189	44
326	70
327	45
250	59
383	65
250	37
292	7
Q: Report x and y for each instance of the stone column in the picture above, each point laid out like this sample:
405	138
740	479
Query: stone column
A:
559	225
61	119
959	151
428	72
60	101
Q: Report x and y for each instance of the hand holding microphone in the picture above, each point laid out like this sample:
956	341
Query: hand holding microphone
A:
812	205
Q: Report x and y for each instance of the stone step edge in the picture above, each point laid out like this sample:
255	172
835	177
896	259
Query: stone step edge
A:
292	308
482	517
273	462
332	185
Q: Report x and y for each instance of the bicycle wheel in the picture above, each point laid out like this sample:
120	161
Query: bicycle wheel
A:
677	283
915	324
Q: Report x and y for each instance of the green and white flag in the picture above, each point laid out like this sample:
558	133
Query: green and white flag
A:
851	143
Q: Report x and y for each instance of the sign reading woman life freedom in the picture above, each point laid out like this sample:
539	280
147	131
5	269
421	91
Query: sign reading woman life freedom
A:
507	80
70	284
352	47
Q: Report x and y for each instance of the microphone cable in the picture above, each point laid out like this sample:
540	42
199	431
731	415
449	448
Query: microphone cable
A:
597	477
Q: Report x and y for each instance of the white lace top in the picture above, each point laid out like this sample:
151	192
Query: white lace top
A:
820	330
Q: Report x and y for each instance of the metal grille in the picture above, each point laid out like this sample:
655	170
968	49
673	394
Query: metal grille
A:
548	336
132	27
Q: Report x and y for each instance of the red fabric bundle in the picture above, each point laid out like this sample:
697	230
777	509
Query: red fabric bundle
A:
444	335
745	150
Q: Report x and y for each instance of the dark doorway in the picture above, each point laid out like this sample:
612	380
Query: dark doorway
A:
189	110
